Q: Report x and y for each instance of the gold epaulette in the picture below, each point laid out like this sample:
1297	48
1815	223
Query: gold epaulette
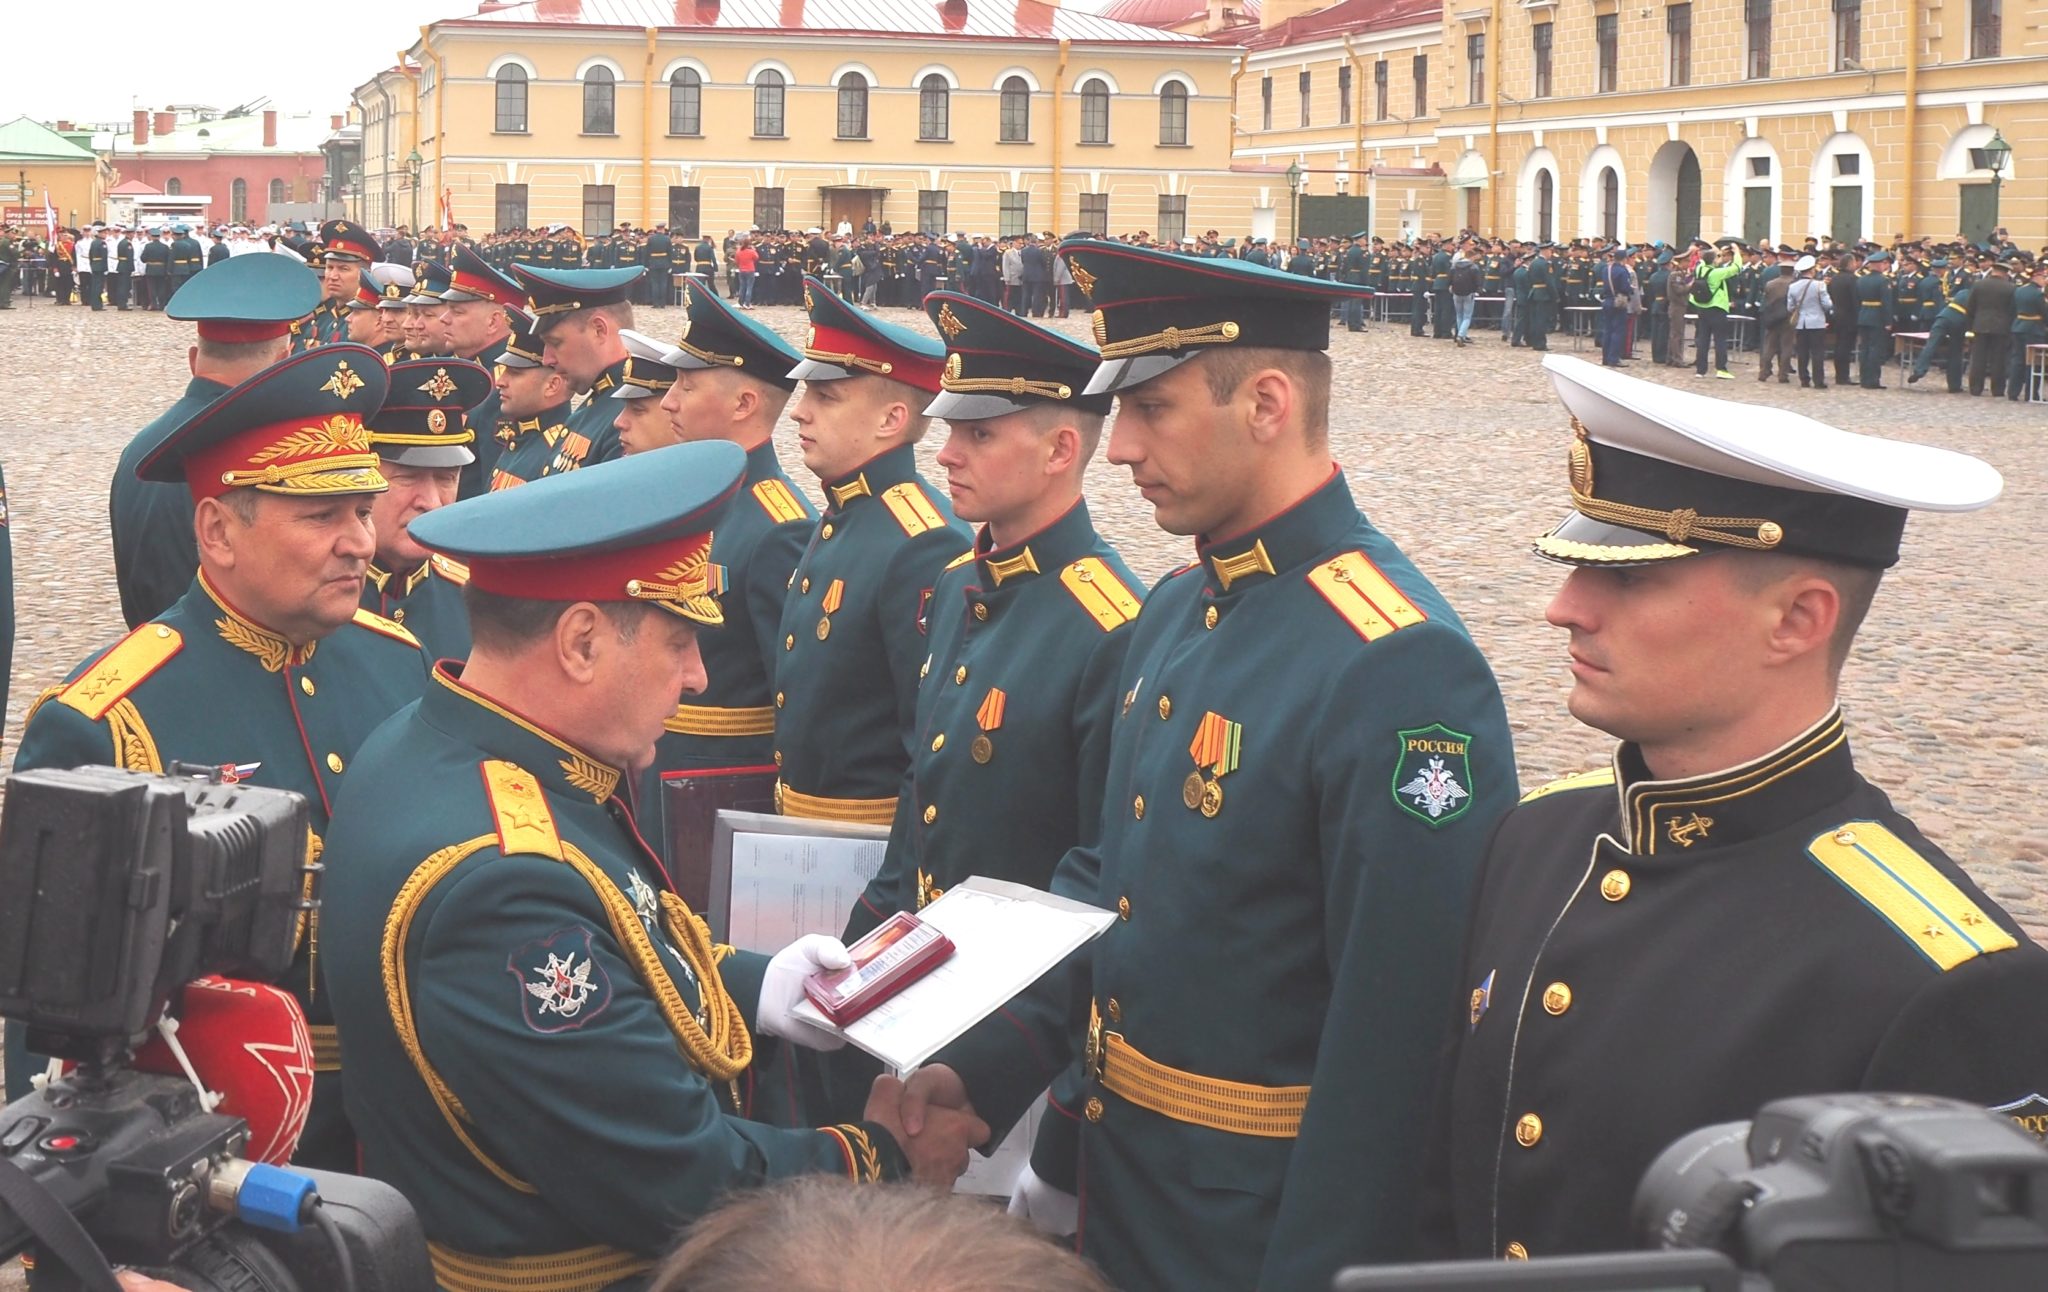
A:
391	628
115	674
1366	598
776	499
912	510
454	571
1576	781
961	559
525	822
1894	880
1101	593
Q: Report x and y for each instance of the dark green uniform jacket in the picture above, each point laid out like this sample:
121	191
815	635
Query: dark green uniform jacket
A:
204	684
1308	757
757	545
1646	962
531	448
483	420
427	601
853	638
542	1078
592	438
155	553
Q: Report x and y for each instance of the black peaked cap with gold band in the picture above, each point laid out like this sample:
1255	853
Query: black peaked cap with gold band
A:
715	335
554	294
1658	474
431	279
522	348
647	374
634	529
998	363
295	428
1155	310
422	422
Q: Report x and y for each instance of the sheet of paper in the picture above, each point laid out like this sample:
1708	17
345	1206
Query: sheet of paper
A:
995	1176
787	885
1005	937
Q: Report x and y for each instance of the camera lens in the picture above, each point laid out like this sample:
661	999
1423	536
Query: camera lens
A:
1678	1204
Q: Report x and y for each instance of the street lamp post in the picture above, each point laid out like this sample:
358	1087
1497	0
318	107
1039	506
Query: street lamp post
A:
412	169
1997	154
1293	202
355	189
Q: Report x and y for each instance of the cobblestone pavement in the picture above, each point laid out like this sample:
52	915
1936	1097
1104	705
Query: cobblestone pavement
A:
1458	454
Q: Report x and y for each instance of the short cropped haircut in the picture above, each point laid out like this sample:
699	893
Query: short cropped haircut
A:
1046	418
1855	585
1227	368
505	625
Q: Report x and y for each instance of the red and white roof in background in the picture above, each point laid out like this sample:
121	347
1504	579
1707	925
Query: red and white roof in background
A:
950	19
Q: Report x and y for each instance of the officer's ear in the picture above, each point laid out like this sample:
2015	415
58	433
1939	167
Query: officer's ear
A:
576	643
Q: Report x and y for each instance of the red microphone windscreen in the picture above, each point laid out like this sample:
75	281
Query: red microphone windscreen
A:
248	1042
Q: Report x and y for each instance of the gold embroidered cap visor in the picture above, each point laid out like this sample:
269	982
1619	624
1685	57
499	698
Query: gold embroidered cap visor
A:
295	428
1657	474
634	529
1155	309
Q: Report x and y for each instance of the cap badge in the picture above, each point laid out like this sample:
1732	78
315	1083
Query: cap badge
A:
954	365
1582	461
441	385
1100	323
1082	279
437	421
950	324
343	383
337	435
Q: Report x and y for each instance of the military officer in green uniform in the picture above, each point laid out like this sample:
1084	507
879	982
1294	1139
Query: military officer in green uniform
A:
1730	913
186	261
855	616
635	402
423	439
1541	298
2029	327
348	249
552	1047
1356	266
1308	755
267	668
422	335
243	309
1873	313
365	322
732	383
533	411
477	310
578	315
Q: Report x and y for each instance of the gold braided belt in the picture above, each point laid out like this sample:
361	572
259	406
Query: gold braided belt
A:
704	720
586	1269
790	802
326	1047
1269	1112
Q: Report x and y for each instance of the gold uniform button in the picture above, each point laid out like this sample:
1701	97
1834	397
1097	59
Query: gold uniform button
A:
1209	617
398	615
825	532
334	763
1557	998
981	611
779	697
162	631
1123	909
1092	1110
789	642
960	676
1138	808
931	813
938	742
1516	1252
1614	885
306	685
806	584
1847	838
1116	1011
1529	1130
778	758
1165	708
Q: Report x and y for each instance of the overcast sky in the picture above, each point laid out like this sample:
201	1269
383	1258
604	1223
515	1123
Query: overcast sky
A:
148	55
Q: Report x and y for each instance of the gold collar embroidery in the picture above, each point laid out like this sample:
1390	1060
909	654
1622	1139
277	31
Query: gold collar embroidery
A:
272	651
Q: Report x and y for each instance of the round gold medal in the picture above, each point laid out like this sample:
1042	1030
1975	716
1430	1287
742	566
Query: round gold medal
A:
824	627
1191	791
982	749
1212	798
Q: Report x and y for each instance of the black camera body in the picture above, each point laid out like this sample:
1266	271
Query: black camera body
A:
116	888
1827	1192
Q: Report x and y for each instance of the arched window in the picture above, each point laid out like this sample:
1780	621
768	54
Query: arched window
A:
512	99
934	107
686	102
1610	204
1173	113
1094	111
238	201
600	102
173	186
768	89
853	106
1016	111
277	193
1546	205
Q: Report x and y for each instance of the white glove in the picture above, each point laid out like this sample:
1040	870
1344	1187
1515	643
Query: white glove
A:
1055	1211
782	986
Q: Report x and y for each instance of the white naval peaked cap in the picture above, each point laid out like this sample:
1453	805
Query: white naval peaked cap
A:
1659	473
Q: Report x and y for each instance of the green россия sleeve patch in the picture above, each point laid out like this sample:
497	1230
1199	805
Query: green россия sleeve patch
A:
1433	774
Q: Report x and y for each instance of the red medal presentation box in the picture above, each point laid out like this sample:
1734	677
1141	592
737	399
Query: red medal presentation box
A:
896	954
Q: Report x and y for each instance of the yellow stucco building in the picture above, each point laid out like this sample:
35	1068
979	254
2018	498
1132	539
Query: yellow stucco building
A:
714	115
1569	118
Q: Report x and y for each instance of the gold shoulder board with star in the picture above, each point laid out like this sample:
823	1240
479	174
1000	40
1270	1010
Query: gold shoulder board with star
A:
377	623
1891	878
912	510
1101	593
454	571
519	810
1366	598
776	499
118	672
1576	781
961	559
